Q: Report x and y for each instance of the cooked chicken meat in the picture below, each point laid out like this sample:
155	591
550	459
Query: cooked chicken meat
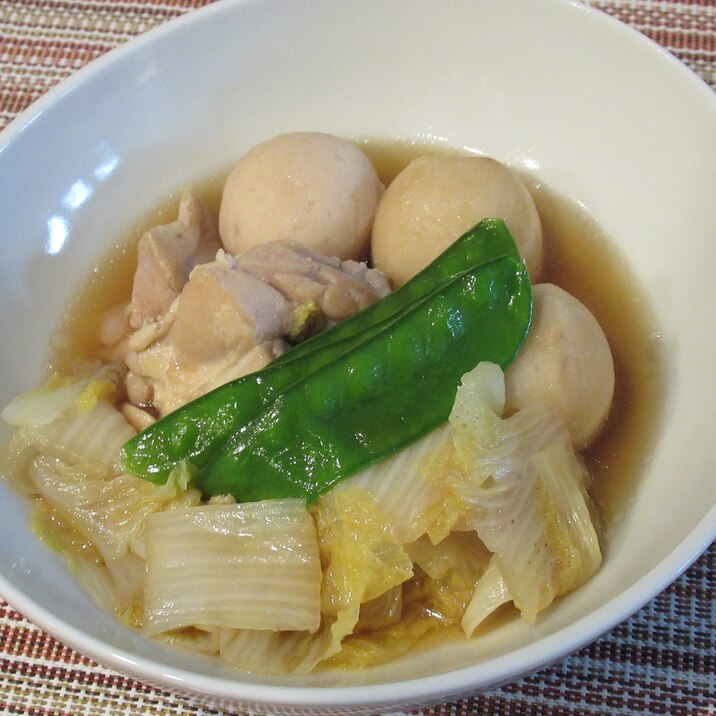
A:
167	254
223	311
235	314
337	288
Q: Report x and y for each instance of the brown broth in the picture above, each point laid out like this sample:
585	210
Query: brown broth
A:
583	261
579	258
109	283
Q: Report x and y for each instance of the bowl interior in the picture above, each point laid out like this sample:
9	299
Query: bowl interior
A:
627	133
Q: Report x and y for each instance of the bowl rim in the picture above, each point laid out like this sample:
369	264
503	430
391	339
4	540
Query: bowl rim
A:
476	677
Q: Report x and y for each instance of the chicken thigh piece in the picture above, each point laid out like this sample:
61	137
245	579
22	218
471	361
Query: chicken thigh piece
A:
235	315
337	288
167	254
225	324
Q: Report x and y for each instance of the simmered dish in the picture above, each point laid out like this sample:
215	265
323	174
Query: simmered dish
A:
329	420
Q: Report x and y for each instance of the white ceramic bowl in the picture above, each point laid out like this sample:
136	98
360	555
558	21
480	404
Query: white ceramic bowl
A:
594	109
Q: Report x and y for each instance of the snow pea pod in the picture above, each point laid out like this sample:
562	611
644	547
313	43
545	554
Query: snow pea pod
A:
487	240
194	431
379	397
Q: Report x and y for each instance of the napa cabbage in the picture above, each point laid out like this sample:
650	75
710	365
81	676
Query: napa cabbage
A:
245	566
490	593
109	513
364	566
59	397
525	494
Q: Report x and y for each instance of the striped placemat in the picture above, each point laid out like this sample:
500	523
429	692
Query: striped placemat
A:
661	661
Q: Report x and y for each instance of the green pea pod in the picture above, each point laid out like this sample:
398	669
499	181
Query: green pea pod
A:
379	397
194	431
488	240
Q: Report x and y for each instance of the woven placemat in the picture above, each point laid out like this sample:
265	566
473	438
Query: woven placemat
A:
661	661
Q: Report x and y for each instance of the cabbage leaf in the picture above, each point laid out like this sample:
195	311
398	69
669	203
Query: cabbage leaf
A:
524	489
